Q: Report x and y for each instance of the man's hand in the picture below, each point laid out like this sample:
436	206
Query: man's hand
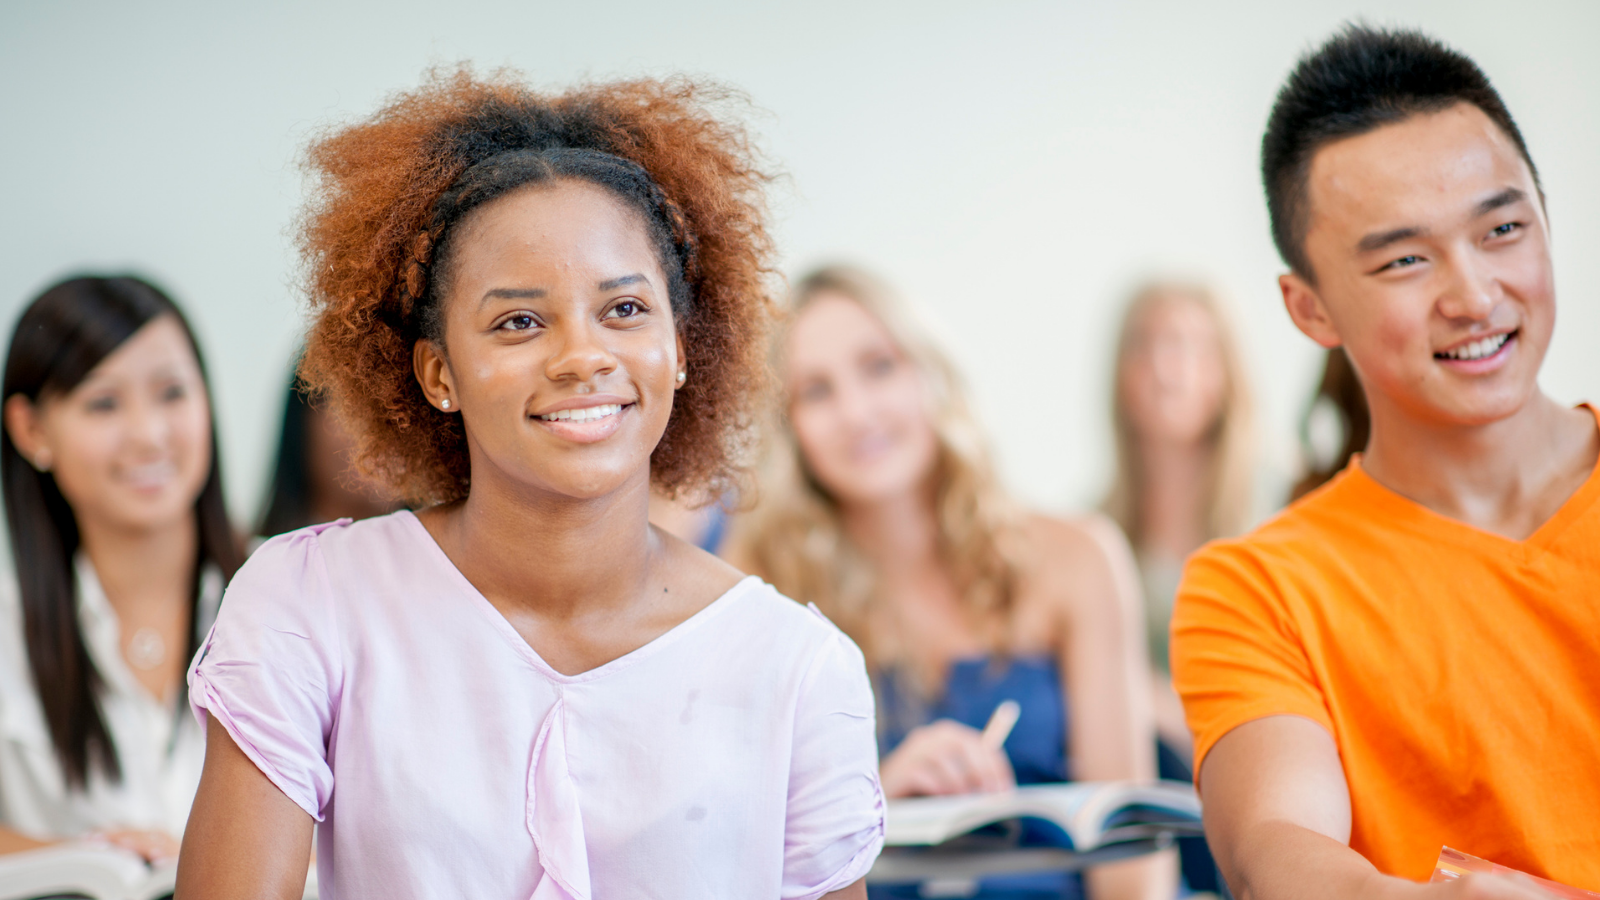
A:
1490	887
1277	813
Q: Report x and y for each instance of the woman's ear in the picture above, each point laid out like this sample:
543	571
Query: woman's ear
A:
433	374
22	424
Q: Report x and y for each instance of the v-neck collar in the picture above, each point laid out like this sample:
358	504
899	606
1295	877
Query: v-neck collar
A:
1389	505
498	622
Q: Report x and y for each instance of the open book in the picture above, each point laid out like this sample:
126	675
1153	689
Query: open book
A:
83	870
1090	814
93	871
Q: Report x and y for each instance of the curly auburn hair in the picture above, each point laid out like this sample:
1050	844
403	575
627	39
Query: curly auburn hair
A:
389	191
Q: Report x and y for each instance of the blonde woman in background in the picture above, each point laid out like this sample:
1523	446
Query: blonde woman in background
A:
880	506
1182	419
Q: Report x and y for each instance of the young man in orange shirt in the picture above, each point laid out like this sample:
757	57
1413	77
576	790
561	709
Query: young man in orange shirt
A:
1409	657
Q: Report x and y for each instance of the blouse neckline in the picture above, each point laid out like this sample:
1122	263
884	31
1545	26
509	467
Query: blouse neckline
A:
497	621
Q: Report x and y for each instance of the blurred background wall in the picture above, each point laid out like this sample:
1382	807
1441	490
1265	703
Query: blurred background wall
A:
1014	167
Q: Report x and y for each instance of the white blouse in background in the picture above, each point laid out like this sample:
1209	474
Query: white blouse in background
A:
161	751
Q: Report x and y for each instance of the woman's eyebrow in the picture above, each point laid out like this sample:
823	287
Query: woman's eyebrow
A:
512	294
612	284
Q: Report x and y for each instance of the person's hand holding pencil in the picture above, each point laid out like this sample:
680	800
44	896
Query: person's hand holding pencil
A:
947	757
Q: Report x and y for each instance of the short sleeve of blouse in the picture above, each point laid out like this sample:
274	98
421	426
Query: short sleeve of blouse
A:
269	671
835	818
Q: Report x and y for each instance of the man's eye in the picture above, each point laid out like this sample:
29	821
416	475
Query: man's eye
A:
1403	262
1503	230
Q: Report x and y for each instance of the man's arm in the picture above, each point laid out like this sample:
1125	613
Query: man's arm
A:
1277	812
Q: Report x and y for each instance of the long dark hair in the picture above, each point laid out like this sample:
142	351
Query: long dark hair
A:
61	337
289	497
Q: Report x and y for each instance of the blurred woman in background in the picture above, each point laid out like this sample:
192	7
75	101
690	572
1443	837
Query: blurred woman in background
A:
1182	422
122	546
312	479
881	507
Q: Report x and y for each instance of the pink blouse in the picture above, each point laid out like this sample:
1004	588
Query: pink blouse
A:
732	757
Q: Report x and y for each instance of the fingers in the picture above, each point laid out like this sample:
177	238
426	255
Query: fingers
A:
1501	887
945	757
152	846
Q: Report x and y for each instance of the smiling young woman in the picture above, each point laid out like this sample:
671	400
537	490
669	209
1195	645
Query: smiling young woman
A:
121	544
528	309
881	506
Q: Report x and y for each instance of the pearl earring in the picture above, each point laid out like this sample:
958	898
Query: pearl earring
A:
444	403
682	376
41	461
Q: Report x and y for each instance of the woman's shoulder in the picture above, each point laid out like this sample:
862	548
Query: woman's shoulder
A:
783	627
15	677
1068	545
306	566
381	535
790	617
1071	565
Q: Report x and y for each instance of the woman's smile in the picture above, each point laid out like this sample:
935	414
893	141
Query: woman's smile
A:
585	420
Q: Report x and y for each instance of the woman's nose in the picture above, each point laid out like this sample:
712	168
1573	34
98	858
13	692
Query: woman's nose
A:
580	354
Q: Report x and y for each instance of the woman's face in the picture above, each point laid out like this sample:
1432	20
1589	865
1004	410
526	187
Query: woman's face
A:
1173	380
858	406
560	352
130	446
335	489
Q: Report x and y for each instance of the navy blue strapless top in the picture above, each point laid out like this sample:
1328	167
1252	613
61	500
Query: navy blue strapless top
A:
1037	746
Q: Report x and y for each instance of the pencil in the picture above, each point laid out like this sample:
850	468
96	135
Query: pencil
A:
1001	721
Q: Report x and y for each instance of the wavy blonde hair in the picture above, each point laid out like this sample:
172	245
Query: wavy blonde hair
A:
794	537
1231	437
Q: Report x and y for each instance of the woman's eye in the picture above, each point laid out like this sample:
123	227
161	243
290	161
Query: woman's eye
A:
174	392
879	366
518	323
811	392
102	404
627	309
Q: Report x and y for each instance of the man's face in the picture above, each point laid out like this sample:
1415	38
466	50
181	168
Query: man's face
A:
1431	254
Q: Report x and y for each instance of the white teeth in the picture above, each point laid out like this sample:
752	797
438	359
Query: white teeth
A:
587	414
151	475
1489	346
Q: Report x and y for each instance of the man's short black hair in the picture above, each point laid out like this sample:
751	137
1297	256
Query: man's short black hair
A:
1361	79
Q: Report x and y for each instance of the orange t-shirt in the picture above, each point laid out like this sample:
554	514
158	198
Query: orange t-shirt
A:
1458	671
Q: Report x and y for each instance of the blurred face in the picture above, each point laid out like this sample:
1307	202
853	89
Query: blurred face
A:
130	447
1172	381
858	406
335	490
560	352
1432	259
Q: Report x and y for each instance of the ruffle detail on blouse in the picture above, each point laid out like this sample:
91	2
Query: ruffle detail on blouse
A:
554	817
